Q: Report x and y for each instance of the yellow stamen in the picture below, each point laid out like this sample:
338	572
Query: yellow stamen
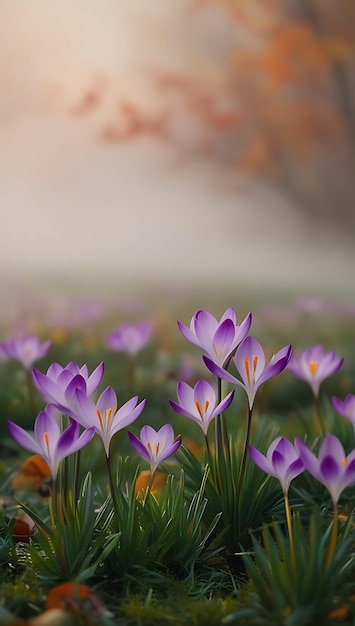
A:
46	439
344	462
313	366
247	370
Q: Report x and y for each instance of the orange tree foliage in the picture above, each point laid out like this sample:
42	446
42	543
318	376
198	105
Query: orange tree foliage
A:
282	102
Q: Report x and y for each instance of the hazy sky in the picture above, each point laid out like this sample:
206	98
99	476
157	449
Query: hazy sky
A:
71	204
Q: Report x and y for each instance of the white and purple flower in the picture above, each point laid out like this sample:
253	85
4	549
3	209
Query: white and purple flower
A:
217	339
282	461
26	349
199	403
332	468
130	338
313	365
155	446
58	385
103	415
249	361
48	441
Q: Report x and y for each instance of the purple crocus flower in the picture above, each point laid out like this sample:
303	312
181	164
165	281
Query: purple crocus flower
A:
104	416
26	349
281	461
58	385
249	360
130	338
155	446
48	441
314	365
217	339
346	408
332	468
199	403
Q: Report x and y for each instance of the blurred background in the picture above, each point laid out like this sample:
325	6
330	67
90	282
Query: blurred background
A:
170	144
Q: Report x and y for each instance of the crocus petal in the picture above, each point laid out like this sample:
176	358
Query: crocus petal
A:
205	327
294	469
23	438
224	404
222	341
46	424
107	400
221	373
171	449
185	394
261	461
95	378
182	411
71	442
204	392
141	449
188	334
309	460
47	388
66	439
331	447
229	314
126	416
349	473
44	348
277	364
85	410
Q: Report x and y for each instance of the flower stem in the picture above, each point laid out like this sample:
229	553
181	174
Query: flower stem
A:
318	417
112	484
333	538
219	426
290	532
245	452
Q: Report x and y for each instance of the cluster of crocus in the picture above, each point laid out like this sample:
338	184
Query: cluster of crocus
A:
332	468
68	390
219	340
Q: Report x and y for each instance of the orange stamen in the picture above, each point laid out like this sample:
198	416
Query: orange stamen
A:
198	407
207	404
99	415
247	370
313	366
255	362
344	462
46	439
